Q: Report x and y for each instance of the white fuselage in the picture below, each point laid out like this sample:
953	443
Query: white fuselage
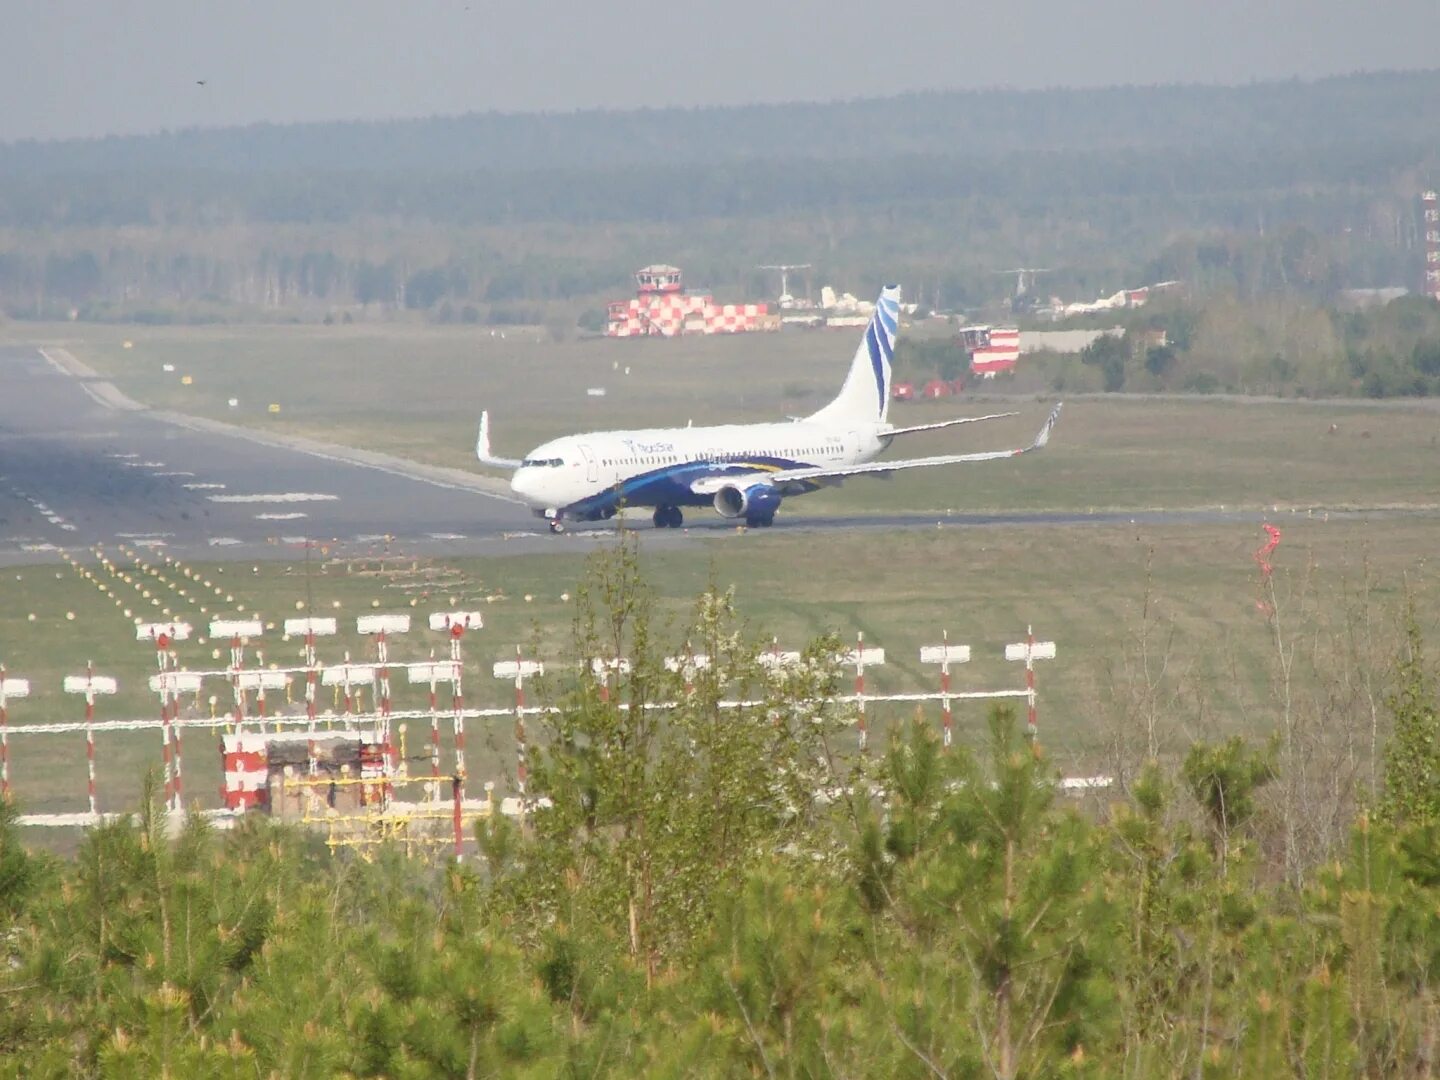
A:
592	475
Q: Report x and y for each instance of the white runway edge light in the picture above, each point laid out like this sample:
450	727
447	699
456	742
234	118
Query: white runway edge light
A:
945	654
347	675
431	671
444	620
91	684
383	624
14	688
261	680
1024	650
683	665
176	682
175	631
518	669
775	658
318	627
233	628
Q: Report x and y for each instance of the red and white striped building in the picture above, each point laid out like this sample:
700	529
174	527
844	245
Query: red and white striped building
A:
661	308
992	349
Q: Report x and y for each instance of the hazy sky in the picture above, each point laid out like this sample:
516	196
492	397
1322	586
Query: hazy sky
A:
95	67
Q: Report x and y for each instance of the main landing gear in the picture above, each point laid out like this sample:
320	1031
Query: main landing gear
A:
760	521
556	525
668	517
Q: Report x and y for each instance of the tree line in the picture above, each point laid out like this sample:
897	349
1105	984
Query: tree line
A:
740	893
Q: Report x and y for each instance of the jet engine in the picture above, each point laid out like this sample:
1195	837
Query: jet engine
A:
756	501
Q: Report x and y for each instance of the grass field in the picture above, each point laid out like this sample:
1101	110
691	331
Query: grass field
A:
417	391
1080	586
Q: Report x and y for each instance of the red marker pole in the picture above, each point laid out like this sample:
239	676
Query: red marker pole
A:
522	765
312	674
860	686
90	735
1030	721
457	702
237	661
948	718
383	648
1029	651
434	730
175	728
161	643
5	690
458	788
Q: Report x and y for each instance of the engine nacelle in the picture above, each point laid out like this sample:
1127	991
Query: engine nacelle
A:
757	500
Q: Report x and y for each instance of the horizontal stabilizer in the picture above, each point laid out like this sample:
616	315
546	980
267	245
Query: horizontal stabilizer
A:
945	424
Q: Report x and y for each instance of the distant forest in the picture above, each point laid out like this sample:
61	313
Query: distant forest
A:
540	218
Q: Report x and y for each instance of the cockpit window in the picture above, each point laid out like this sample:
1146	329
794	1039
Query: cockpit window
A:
542	463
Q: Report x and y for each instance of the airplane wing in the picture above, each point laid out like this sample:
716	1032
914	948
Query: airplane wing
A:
945	424
482	447
710	484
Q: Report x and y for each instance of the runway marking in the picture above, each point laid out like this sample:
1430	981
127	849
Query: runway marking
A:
447	536
143	464
371	538
222	541
153	542
281	497
145	536
122	457
38	547
294	516
176	472
204	487
294	539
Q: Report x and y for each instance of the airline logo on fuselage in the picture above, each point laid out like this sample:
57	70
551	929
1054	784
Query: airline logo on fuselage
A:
649	448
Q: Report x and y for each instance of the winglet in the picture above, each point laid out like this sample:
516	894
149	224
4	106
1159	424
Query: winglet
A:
1044	436
482	440
482	447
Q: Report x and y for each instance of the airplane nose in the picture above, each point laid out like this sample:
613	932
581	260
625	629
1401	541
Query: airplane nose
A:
523	485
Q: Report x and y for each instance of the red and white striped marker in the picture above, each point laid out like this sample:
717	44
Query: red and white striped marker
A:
163	635
945	654
687	666
382	626
518	669
433	671
860	656
604	668
1030	650
776	659
10	687
311	628
169	685
90	685
238	631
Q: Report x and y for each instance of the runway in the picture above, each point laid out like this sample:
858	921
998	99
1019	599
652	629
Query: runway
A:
78	468
81	465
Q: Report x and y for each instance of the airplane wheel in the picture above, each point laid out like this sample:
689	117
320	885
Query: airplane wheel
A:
677	517
668	517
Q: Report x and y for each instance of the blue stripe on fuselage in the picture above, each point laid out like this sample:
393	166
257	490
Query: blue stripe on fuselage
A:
670	485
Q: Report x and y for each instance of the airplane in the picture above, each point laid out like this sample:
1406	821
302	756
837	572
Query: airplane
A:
743	471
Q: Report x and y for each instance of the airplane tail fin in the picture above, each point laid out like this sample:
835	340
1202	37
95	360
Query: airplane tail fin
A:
865	396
